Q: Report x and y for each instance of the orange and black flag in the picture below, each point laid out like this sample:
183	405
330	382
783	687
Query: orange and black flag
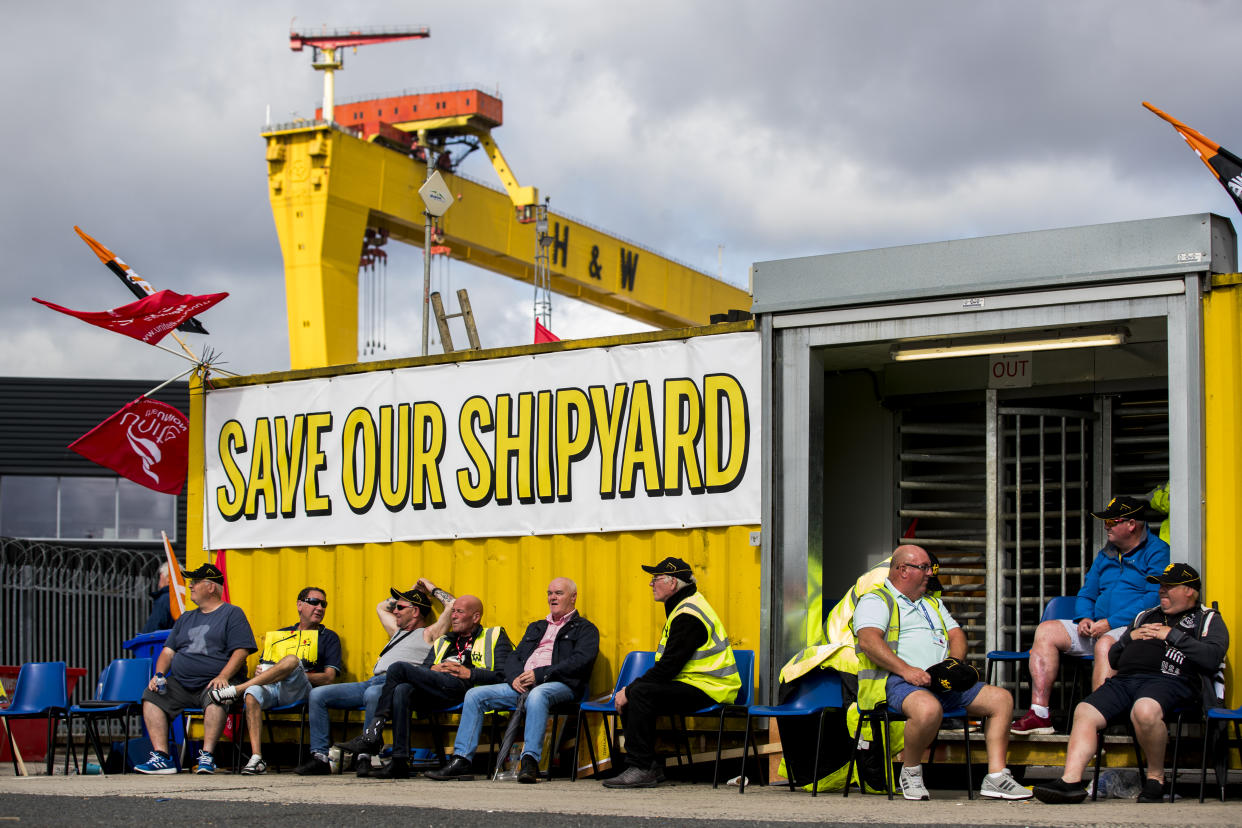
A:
1226	166
136	284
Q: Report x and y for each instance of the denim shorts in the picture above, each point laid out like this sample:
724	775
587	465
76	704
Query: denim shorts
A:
294	688
898	688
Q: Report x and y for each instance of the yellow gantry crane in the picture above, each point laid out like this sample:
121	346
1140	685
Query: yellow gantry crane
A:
359	166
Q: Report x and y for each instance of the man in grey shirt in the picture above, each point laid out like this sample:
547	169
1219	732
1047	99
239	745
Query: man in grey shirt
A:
412	627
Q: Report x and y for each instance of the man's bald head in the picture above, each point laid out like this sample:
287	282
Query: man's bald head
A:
467	611
909	570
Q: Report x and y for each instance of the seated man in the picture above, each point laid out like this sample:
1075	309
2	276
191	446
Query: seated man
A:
902	632
552	664
411	625
206	648
467	656
1114	590
1165	659
694	668
295	659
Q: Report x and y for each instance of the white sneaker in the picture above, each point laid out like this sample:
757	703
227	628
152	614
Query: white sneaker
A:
223	695
912	785
255	766
1003	786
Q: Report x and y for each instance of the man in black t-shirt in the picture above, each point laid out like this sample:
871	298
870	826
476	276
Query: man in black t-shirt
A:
1163	661
295	659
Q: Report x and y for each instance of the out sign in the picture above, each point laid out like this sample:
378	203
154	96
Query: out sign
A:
1009	371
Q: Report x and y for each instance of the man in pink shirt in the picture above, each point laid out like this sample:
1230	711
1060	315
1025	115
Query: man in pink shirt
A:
551	664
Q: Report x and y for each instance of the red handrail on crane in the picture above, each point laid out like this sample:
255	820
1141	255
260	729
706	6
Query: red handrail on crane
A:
338	38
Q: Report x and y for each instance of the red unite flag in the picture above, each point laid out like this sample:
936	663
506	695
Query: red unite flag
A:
542	334
149	319
147	442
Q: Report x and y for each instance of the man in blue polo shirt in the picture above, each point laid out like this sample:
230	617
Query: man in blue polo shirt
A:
295	659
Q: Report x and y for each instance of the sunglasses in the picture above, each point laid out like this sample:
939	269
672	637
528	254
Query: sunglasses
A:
396	607
316	602
1109	523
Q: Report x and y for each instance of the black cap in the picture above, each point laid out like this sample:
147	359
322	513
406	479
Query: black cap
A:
206	572
1178	574
416	597
933	579
1122	508
671	566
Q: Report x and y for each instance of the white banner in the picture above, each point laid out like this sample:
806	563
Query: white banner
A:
647	436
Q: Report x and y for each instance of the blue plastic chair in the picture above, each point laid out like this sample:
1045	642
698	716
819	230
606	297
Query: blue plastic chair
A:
745	697
42	691
816	692
299	707
118	696
634	665
1060	607
1219	718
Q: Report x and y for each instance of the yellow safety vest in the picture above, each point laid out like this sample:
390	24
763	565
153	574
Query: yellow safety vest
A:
482	651
712	668
1160	502
872	677
279	643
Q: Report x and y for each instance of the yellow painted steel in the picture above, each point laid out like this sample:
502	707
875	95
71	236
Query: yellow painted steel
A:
1222	382
509	575
326	187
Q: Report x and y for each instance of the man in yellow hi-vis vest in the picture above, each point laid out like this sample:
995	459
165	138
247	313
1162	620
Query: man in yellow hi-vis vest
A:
468	655
694	669
904	636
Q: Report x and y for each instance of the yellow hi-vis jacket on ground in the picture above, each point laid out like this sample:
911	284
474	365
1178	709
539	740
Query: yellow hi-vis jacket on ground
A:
482	651
712	668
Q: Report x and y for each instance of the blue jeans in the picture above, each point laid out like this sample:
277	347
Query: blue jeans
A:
339	696
503	697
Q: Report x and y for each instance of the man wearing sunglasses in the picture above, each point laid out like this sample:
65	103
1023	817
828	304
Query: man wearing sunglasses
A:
295	659
408	619
1113	591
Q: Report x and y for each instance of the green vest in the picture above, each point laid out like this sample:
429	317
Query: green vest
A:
482	651
712	668
872	677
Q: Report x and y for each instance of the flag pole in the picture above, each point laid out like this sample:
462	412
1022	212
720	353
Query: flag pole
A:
189	370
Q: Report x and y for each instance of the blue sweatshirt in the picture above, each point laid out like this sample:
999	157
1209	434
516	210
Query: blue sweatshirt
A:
1116	586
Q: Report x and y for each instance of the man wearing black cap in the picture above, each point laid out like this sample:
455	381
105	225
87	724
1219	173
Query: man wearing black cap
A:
1114	590
1166	659
412	627
694	669
295	659
205	650
468	655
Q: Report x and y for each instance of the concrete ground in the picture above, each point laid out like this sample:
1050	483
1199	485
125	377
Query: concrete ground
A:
287	798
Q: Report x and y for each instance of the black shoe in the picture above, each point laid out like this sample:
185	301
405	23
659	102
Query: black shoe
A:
529	774
369	742
362	765
1060	792
1153	790
457	767
398	768
314	766
633	777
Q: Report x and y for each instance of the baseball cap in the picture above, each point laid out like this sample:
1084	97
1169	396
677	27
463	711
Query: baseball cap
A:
1122	508
671	566
1178	574
206	572
416	597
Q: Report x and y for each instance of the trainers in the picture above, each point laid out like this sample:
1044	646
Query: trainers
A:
206	763
1032	725
1153	790
633	777
912	785
1003	786
314	766
157	763
1060	792
255	766
223	695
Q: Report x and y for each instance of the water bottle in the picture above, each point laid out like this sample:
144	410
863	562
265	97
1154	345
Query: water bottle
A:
161	684
511	772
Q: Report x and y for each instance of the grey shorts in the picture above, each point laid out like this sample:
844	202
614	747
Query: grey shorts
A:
1081	645
177	698
295	687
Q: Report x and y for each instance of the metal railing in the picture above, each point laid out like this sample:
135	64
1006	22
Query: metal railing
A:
72	604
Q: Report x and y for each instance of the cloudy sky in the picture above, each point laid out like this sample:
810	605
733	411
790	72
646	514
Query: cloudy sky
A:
773	129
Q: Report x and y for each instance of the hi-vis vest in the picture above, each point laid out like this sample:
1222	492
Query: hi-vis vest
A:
872	677
482	651
279	643
712	668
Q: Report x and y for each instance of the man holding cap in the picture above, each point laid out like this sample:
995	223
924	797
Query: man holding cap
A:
205	650
412	627
911	655
694	669
1166	659
1114	590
